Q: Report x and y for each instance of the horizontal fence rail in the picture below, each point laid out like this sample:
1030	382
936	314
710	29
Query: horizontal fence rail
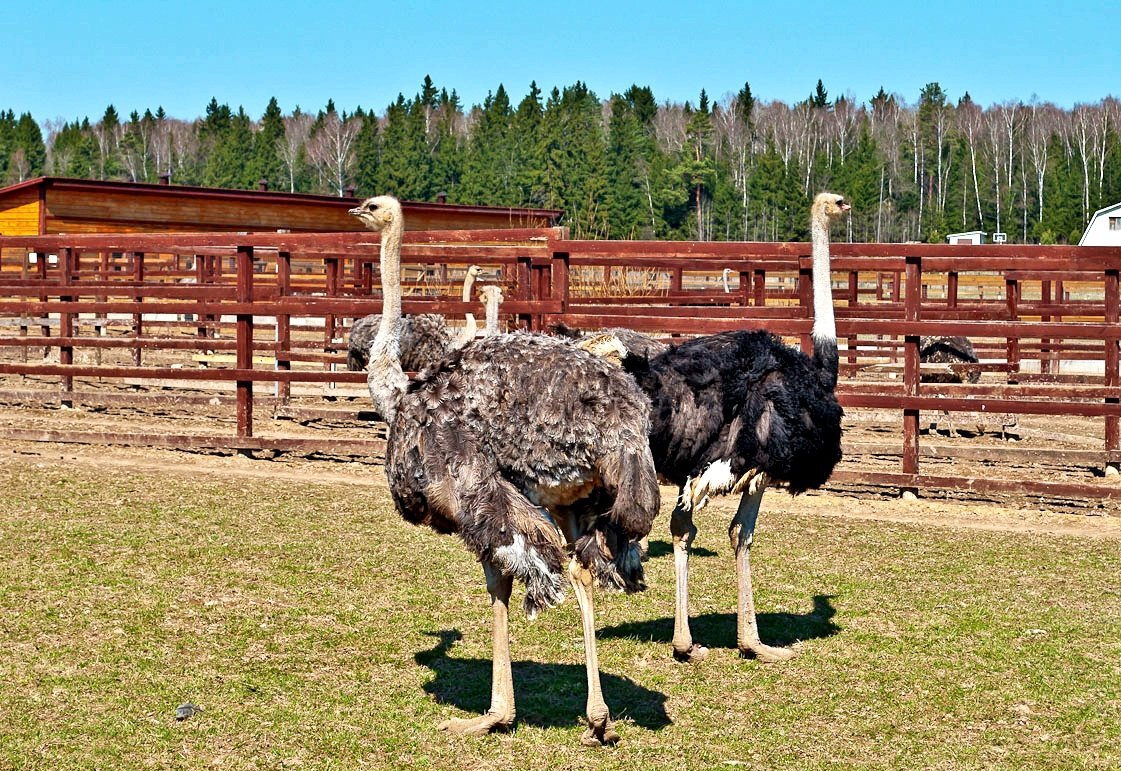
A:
266	311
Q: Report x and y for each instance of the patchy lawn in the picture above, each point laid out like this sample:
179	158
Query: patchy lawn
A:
317	630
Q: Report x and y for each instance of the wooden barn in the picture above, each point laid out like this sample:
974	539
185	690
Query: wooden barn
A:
57	205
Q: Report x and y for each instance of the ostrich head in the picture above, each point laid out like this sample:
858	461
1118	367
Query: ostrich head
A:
604	345
473	272
829	206
492	295
379	212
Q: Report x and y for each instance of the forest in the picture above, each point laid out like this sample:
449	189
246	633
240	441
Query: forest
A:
735	168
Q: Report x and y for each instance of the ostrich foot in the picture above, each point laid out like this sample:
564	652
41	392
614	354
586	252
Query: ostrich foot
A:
476	726
767	654
599	733
691	655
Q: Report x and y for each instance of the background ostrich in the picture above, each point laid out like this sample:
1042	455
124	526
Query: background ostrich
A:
959	350
736	412
425	337
486	441
492	300
724	279
635	343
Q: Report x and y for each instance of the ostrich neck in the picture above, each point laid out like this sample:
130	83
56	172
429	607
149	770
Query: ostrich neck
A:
492	314
386	379
825	327
470	326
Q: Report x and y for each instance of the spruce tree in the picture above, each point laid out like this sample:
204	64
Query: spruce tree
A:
267	163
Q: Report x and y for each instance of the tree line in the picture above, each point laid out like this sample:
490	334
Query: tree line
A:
629	167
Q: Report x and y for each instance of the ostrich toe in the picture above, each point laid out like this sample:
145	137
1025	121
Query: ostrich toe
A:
476	726
768	654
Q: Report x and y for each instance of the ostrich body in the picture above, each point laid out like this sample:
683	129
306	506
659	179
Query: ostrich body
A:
737	412
425	337
534	453
957	350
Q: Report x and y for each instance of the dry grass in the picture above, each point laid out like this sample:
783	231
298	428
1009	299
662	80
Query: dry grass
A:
317	630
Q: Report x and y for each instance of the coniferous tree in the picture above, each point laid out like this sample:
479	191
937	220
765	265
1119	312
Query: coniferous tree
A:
267	163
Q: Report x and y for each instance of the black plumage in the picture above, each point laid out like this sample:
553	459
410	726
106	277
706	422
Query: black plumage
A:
739	411
949	350
744	397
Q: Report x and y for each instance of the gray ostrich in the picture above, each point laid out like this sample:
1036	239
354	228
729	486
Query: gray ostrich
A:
534	453
737	412
425	337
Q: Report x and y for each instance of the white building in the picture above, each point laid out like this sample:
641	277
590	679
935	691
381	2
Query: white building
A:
970	237
1104	228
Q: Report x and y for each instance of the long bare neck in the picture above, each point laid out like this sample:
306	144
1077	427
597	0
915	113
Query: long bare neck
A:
493	300
386	378
825	325
470	326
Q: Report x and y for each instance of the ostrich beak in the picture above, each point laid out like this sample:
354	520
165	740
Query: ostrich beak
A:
845	207
355	211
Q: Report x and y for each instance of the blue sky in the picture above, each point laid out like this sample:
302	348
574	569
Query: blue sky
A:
67	59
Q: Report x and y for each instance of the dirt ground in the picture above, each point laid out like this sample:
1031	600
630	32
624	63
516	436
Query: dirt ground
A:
335	415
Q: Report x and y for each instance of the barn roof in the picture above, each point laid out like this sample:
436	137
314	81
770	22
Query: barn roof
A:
262	196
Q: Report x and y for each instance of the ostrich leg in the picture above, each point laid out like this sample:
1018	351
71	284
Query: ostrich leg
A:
684	532
501	712
600	729
742	533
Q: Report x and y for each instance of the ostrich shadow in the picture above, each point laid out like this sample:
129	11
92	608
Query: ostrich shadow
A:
546	695
662	548
718	630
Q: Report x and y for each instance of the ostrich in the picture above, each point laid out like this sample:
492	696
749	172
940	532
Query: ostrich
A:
737	412
534	453
959	350
724	280
634	343
425	337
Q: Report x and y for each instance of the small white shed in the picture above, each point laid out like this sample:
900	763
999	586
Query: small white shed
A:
1104	228
970	237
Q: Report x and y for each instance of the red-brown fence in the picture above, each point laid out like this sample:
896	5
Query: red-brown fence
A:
1043	319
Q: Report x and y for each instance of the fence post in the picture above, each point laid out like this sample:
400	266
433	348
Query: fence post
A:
44	320
1112	376
854	300
759	287
137	318
805	300
244	341
911	309
283	324
559	266
1012	300
1045	343
66	324
329	320
525	290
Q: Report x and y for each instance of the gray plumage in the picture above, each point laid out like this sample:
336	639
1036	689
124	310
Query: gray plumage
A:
949	350
487	436
425	339
533	452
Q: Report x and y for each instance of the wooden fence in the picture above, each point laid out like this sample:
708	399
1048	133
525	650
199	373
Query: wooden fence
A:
273	309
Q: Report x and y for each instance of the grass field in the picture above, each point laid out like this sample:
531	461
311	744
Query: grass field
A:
317	630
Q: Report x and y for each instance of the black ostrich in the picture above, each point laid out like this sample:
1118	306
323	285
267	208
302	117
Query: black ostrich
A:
737	412
534	453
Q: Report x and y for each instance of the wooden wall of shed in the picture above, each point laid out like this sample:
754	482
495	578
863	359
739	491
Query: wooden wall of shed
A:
83	211
19	214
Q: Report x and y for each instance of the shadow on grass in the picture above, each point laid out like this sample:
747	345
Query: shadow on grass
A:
718	630
546	695
662	548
